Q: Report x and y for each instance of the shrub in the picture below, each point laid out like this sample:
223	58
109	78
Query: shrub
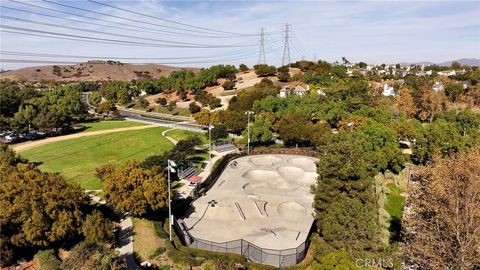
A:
193	107
46	260
228	85
157	252
162	101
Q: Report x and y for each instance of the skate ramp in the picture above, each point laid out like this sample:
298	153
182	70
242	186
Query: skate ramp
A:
291	210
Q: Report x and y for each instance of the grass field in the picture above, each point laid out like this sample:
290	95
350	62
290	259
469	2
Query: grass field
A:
178	135
395	202
145	240
103	125
76	158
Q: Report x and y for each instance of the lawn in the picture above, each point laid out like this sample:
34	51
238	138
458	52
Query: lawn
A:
145	240
179	134
395	202
76	158
103	125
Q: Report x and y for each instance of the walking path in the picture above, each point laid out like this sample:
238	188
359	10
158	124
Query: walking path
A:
32	144
164	134
125	237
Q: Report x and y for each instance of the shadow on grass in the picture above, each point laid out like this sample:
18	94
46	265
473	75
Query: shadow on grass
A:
395	229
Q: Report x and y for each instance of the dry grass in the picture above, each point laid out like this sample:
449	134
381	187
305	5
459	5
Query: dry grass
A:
145	240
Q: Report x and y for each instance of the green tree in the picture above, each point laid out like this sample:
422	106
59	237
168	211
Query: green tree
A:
260	131
193	107
106	107
243	68
292	128
93	255
228	85
46	260
264	70
453	91
38	209
134	189
97	228
94	98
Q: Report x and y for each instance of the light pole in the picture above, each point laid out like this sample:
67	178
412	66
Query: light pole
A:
170	168
248	113
210	127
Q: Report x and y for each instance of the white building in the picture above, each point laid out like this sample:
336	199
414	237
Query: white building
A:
388	90
437	86
293	90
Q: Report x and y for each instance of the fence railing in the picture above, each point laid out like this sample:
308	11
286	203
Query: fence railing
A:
170	125
274	257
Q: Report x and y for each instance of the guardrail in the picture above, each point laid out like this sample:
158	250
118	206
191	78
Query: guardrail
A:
170	125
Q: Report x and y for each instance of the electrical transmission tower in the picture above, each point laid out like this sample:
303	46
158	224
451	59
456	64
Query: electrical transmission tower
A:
261	56
286	47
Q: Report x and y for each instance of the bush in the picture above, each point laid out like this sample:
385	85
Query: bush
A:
264	70
46	260
215	103
162	101
193	107
158	225
157	253
228	85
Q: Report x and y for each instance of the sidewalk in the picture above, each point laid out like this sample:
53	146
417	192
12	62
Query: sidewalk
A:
185	190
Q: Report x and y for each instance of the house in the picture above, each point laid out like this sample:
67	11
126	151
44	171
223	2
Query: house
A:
437	86
388	90
447	73
293	90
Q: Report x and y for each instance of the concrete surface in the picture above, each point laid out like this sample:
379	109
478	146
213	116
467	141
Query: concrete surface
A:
263	199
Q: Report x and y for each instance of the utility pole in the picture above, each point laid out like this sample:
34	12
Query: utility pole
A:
261	55
248	113
315	57
170	168
286	46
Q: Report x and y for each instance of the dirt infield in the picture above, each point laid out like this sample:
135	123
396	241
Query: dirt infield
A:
32	144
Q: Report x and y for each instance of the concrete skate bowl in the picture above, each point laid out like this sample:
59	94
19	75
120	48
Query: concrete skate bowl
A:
296	174
306	164
291	210
264	160
264	179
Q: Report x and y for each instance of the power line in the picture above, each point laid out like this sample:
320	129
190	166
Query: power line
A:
31	54
114	41
111	34
126	18
134	28
165	20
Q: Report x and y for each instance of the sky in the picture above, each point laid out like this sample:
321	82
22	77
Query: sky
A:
204	33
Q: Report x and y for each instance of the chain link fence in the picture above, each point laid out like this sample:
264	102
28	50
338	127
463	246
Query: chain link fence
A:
277	258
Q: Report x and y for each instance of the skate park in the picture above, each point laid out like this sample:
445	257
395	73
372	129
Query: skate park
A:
262	200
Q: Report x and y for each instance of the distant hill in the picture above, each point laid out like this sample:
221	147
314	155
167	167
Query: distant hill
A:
464	61
91	71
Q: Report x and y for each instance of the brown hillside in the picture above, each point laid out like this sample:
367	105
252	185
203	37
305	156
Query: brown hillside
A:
91	71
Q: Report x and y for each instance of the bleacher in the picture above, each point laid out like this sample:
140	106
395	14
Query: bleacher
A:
187	173
224	146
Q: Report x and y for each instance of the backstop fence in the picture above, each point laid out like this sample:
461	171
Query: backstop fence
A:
274	257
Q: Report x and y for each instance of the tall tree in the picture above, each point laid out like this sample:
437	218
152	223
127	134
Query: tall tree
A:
443	227
134	189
